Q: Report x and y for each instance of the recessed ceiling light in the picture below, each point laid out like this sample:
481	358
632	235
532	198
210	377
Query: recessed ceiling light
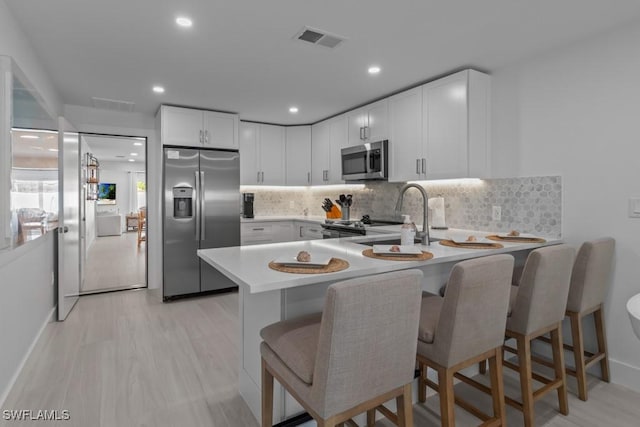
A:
53	149
133	154
137	144
131	160
29	136
183	21
293	110
158	89
374	69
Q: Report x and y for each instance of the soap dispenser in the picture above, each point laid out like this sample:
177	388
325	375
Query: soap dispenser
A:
407	232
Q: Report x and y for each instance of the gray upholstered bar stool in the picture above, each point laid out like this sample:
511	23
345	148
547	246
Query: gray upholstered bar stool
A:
357	355
588	290
538	306
463	328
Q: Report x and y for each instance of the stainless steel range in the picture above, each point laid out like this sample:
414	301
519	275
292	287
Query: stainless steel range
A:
333	229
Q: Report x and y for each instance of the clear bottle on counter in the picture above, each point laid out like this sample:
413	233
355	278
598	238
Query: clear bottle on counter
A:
407	232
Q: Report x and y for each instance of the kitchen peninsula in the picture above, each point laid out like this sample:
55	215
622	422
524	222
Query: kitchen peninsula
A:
267	296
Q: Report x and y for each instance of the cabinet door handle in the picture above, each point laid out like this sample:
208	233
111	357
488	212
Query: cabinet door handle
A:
308	177
258	177
366	132
200	136
206	136
361	137
259	229
262	176
313	230
418	166
300	234
424	165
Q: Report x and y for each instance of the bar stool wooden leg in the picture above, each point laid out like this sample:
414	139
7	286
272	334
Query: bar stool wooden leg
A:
598	316
578	353
445	384
329	422
558	361
526	386
422	384
267	396
497	386
404	407
371	417
482	367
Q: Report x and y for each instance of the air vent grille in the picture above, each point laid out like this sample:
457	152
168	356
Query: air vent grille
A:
112	104
319	37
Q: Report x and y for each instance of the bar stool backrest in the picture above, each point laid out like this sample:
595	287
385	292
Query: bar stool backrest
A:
368	339
474	310
543	291
591	274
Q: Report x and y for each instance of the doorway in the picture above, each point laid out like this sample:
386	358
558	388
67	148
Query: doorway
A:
113	211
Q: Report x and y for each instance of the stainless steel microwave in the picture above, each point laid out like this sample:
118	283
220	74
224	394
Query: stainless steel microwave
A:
366	161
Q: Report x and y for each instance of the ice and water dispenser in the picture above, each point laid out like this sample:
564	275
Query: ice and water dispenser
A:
182	202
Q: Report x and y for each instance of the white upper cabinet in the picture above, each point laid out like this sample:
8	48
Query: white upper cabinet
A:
327	139
298	155
249	173
198	128
220	130
320	146
405	136
262	154
455	126
440	130
369	123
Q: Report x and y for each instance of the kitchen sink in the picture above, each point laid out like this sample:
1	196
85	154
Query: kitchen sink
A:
395	241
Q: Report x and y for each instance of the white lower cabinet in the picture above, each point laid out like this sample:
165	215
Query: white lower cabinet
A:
307	231
261	232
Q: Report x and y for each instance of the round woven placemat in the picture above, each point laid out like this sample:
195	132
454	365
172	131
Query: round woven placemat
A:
336	264
478	245
516	239
422	257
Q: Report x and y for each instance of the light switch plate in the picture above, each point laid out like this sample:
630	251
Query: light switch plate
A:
634	207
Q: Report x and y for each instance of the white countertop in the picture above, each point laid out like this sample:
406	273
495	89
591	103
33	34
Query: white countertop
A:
248	265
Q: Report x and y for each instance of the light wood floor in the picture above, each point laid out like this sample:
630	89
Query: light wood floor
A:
125	359
115	262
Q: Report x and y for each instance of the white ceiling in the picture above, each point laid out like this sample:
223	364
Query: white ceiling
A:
239	55
116	149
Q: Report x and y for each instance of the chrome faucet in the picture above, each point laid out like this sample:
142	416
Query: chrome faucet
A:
424	234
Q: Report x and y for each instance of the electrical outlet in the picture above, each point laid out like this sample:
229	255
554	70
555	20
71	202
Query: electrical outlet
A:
496	213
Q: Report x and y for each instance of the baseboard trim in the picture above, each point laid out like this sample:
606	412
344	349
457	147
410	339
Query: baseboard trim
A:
51	317
625	374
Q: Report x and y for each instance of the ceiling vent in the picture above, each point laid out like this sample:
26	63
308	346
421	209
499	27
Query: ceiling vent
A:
319	37
112	104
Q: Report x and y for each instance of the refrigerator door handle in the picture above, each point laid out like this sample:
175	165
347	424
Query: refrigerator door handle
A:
198	204
203	211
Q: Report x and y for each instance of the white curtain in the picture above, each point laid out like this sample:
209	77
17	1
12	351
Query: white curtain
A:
133	192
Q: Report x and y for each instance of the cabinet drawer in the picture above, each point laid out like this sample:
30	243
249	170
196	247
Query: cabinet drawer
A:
257	230
308	232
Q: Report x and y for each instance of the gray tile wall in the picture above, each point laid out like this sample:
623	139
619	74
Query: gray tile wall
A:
529	205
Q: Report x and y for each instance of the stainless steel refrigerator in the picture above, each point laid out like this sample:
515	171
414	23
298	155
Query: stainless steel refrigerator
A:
201	210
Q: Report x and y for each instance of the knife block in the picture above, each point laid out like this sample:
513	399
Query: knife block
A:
334	213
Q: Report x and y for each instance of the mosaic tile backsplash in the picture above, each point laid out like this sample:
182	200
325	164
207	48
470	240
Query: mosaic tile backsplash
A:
529	205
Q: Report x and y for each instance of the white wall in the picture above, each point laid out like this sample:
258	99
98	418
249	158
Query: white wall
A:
26	292
574	112
118	173
133	124
27	302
